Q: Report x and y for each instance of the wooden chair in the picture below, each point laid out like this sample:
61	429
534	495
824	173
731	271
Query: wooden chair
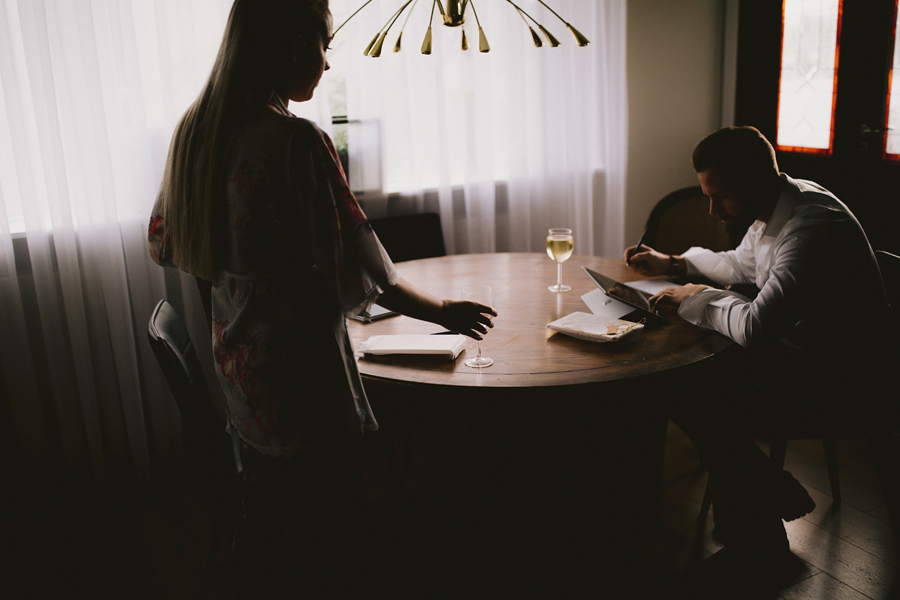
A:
681	220
212	460
410	237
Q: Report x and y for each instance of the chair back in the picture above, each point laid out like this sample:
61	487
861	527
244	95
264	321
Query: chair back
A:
410	237
206	445
889	265
889	353
681	220
890	275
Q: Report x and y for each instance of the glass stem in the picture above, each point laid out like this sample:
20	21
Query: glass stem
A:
478	348
559	276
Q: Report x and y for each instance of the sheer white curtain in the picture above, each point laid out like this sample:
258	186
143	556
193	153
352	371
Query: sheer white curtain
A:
503	145
90	91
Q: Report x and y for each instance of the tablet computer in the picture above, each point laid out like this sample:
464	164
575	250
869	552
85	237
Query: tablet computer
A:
375	313
629	296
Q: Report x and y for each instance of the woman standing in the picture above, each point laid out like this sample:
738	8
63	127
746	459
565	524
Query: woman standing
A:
255	201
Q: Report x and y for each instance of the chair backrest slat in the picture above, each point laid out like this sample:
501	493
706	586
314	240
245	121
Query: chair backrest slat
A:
205	442
410	237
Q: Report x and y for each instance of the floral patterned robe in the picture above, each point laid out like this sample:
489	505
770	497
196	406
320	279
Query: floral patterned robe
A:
301	257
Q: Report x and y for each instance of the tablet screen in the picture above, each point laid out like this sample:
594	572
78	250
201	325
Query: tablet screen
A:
619	291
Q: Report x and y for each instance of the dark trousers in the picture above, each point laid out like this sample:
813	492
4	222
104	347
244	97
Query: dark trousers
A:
779	392
302	526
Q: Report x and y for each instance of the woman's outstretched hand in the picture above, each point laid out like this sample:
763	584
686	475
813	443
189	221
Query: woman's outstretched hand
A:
468	318
459	316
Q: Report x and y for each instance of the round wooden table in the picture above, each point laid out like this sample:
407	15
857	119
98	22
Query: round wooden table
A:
566	437
526	353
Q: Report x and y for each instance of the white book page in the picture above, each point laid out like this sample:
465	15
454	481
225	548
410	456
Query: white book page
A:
651	286
604	306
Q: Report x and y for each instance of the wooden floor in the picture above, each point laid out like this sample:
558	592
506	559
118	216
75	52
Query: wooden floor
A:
108	542
849	554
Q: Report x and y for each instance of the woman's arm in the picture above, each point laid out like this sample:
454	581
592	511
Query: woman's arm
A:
468	318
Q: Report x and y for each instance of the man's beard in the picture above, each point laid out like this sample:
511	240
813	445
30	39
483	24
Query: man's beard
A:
739	225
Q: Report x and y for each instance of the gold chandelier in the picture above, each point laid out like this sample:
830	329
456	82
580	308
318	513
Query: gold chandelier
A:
454	16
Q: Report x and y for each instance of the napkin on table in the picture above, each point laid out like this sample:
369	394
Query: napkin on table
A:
596	328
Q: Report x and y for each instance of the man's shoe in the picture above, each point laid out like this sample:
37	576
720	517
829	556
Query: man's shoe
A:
752	566
789	501
792	501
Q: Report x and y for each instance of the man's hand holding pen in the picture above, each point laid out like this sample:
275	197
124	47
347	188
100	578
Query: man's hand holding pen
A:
629	254
647	261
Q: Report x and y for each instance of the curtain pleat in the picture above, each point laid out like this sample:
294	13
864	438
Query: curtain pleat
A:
16	350
90	91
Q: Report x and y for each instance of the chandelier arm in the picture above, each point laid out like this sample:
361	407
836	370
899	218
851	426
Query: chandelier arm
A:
390	22
431	18
368	2
408	15
524	20
483	45
579	37
475	12
522	12
553	11
397	15
534	36
375	50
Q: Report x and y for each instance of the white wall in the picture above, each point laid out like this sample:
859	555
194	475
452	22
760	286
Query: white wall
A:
674	97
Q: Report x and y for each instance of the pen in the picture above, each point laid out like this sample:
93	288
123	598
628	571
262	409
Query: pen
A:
635	249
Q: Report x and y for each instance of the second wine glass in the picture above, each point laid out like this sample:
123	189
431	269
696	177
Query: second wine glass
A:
481	294
560	245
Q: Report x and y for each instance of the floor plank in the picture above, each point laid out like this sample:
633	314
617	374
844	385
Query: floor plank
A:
856	527
819	587
847	563
856	490
881	513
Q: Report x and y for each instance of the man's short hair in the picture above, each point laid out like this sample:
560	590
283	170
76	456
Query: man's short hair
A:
741	155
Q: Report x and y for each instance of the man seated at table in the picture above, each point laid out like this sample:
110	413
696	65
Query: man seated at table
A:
805	333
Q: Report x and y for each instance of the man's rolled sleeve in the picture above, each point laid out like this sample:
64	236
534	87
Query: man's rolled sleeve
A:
732	266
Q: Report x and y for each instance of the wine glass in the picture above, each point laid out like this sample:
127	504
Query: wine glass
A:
482	295
560	244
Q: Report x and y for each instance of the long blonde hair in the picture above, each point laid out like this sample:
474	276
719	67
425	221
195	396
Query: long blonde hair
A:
253	60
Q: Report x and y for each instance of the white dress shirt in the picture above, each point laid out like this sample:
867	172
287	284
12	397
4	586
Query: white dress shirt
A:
818	278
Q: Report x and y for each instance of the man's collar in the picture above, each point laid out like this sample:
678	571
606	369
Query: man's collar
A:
783	208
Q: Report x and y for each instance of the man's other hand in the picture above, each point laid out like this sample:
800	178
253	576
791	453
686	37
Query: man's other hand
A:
676	295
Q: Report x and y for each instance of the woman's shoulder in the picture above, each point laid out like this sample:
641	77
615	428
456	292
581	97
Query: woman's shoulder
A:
291	125
274	133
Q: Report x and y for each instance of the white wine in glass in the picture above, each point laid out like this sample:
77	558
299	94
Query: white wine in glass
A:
560	245
481	294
